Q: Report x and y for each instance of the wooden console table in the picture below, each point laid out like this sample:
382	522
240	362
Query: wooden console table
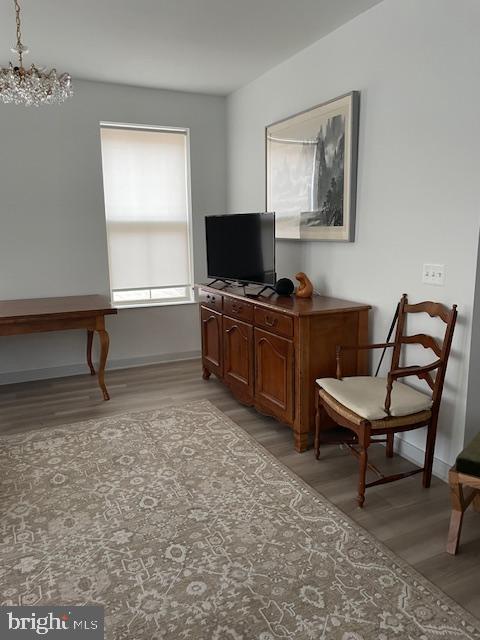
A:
270	350
59	314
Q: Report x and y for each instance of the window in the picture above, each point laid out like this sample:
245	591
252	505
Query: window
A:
146	182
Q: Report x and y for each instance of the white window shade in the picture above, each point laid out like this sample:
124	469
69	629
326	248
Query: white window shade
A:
145	177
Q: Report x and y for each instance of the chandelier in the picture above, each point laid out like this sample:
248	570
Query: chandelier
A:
34	86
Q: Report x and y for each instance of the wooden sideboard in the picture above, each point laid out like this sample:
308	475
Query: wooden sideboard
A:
270	350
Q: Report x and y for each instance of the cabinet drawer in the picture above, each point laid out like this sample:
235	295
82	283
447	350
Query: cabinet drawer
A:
238	309
209	299
274	322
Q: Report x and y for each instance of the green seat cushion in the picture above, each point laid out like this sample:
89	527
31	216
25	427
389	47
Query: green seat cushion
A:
469	460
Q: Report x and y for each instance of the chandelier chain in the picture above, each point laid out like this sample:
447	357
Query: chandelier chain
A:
19	33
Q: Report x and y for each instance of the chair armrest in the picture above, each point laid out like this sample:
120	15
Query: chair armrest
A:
358	347
413	371
421	372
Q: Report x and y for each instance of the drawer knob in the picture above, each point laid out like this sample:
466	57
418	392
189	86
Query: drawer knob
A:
271	322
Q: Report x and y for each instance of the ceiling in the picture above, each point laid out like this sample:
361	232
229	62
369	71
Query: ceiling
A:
211	46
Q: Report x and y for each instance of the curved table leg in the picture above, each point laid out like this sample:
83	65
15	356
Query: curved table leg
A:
104	343
89	351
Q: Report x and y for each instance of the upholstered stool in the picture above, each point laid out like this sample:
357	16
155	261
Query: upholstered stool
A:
465	473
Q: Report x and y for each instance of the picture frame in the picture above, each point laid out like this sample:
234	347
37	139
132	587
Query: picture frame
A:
311	171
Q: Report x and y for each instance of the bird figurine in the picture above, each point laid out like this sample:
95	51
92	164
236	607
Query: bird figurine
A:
305	288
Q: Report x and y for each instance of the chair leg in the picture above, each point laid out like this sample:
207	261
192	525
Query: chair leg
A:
458	509
429	451
476	501
318	419
389	447
364	442
456	520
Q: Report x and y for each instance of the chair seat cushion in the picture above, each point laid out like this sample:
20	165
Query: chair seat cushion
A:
468	461
365	396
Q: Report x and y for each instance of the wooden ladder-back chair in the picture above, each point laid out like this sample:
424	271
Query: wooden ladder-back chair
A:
370	406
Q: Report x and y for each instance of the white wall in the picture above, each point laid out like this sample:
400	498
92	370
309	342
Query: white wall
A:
52	224
472	424
416	65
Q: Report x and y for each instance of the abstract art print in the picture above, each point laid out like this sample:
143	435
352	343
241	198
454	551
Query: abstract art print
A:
311	162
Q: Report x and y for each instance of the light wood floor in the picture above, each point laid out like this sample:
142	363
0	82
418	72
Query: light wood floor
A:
411	521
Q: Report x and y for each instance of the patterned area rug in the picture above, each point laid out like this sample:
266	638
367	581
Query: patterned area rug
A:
184	527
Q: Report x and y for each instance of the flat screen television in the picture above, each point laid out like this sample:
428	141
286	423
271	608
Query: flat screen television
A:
241	247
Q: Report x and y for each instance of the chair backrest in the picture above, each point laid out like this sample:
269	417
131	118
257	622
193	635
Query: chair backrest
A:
441	349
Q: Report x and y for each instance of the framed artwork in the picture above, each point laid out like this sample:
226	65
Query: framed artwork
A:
311	167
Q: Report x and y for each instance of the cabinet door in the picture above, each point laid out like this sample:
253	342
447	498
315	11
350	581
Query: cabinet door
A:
238	357
274	360
212	346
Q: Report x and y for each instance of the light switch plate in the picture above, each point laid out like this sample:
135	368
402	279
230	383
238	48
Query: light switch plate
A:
434	274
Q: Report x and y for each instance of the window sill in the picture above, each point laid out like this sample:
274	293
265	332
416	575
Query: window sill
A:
148	305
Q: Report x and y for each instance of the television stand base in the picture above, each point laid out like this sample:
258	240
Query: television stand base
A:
225	282
229	283
259	293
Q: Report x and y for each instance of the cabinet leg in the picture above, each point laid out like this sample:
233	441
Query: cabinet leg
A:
301	441
206	373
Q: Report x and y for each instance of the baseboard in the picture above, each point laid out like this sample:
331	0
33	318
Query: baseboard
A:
77	369
417	456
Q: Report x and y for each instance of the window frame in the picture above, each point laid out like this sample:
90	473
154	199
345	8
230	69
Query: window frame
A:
139	304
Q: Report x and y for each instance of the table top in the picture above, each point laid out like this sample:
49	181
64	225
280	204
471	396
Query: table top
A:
291	305
44	308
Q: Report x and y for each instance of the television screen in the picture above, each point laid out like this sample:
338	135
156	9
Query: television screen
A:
241	247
